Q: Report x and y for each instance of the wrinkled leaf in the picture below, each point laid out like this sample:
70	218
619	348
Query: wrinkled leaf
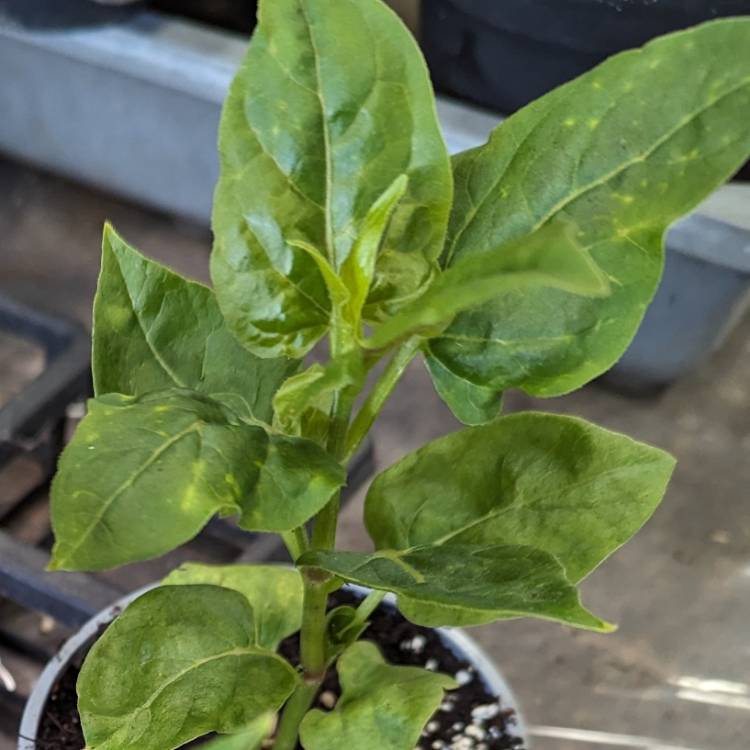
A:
556	483
621	151
274	592
382	707
250	738
495	581
180	662
144	475
552	257
309	143
154	330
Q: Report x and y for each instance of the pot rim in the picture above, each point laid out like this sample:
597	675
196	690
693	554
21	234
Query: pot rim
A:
455	638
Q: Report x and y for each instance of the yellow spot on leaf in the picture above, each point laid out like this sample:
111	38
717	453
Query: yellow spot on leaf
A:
594	123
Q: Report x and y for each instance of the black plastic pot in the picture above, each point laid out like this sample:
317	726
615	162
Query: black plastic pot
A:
505	54
76	647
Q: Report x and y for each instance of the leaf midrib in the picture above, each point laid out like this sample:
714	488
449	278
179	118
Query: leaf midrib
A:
326	136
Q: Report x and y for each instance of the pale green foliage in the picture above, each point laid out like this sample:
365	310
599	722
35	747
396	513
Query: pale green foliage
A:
335	215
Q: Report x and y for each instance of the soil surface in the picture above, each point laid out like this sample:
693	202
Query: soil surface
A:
470	718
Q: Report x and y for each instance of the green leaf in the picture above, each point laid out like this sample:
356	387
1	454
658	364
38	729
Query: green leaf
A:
471	404
144	475
622	151
309	143
154	330
304	400
358	270
490	582
552	257
274	592
180	662
382	707
250	738
556	483
343	628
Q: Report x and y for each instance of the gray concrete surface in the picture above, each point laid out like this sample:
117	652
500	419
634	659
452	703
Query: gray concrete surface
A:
676	674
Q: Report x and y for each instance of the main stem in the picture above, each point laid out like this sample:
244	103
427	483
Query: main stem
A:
343	442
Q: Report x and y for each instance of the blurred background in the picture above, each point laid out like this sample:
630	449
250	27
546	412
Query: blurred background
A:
109	111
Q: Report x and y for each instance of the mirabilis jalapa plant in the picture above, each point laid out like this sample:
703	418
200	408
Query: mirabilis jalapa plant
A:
525	263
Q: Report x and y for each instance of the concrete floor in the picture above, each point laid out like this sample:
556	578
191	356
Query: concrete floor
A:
676	676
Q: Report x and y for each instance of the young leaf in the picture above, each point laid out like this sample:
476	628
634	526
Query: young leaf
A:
309	143
198	671
358	270
621	151
552	257
310	393
250	738
274	593
556	483
154	330
382	707
144	475
495	581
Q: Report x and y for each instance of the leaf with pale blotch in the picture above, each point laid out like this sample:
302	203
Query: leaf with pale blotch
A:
180	662
552	257
622	151
274	592
154	329
557	483
144	475
382	707
308	146
493	581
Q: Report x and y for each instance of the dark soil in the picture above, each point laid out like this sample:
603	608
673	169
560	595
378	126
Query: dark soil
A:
491	726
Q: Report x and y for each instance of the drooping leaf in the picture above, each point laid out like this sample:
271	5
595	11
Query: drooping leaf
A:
250	738
382	707
551	257
622	151
144	475
309	143
274	592
489	581
154	330
180	662
557	483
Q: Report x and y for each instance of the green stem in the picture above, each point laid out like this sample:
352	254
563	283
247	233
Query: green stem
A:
292	715
324	531
313	632
296	542
379	395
